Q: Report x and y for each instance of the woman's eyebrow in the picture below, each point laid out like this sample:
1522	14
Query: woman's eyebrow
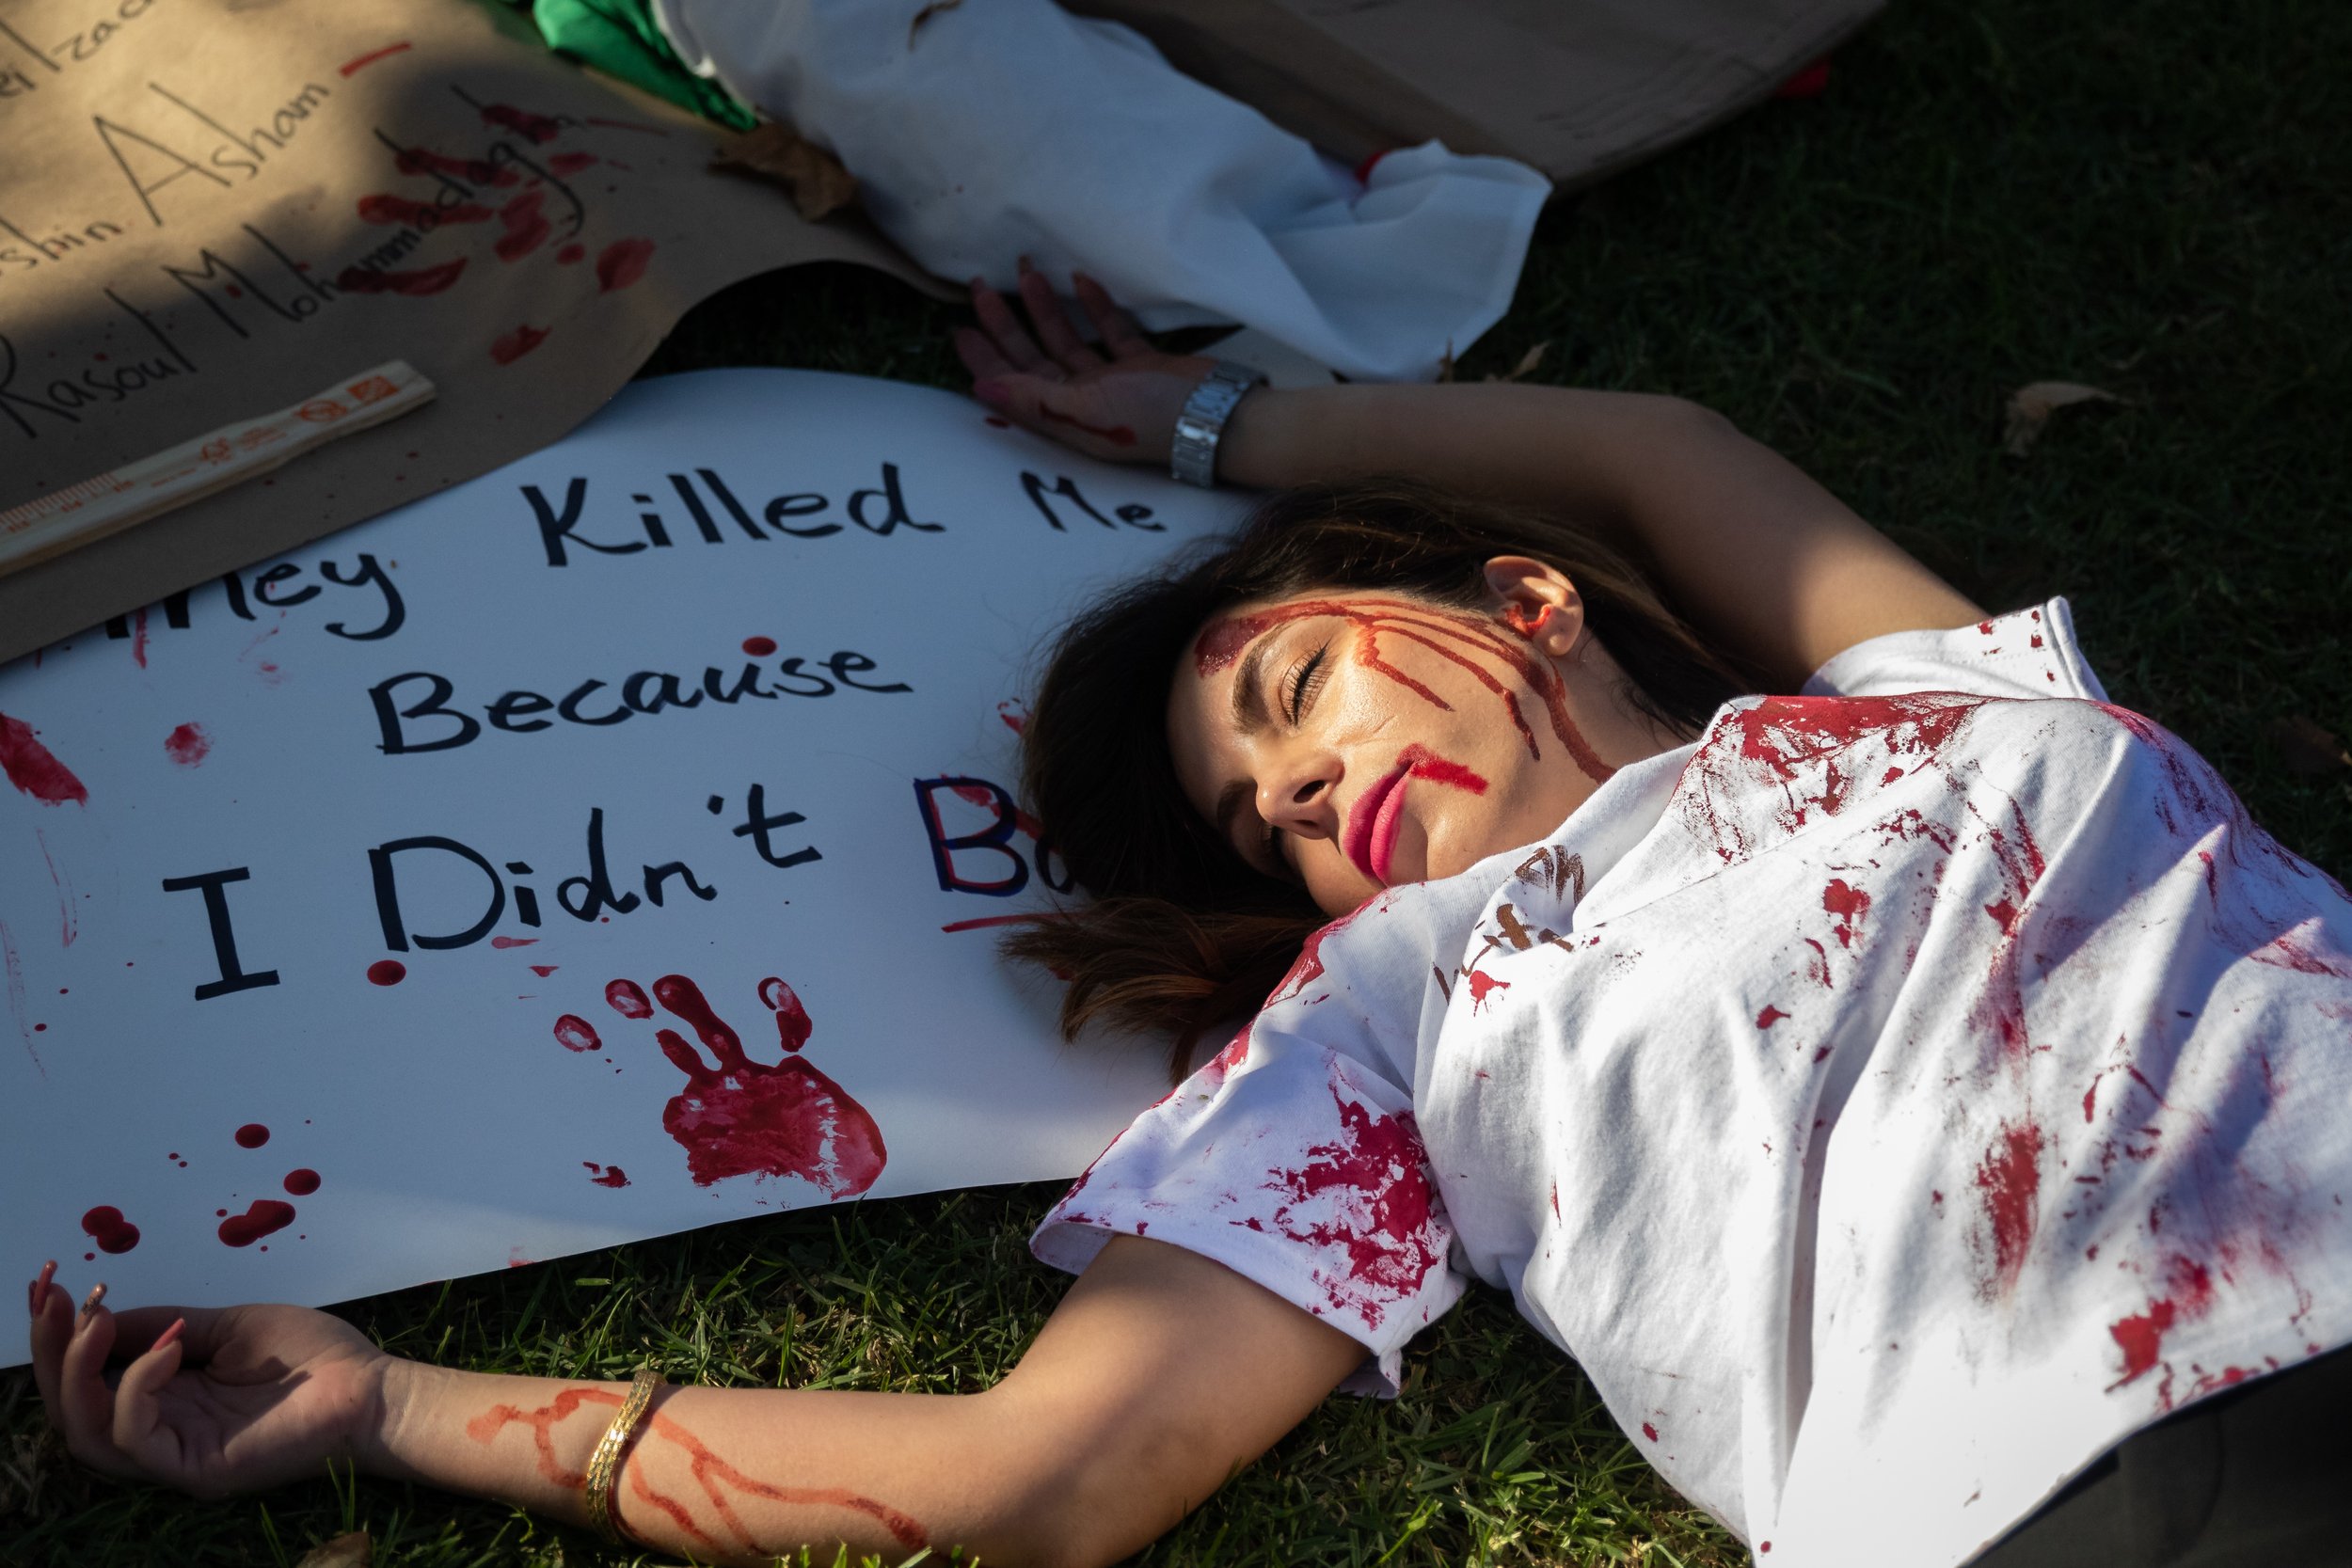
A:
1249	709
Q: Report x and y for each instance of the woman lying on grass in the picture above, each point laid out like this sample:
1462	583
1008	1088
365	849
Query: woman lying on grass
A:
1905	1098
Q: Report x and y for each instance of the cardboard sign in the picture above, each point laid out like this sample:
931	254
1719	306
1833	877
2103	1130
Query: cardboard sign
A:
211	208
612	845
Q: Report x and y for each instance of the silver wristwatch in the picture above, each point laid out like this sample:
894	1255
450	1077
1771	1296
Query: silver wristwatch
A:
1194	456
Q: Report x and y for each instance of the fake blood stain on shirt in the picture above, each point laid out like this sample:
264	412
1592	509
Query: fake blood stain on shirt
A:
188	745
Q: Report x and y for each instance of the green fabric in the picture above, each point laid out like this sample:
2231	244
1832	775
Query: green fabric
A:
621	38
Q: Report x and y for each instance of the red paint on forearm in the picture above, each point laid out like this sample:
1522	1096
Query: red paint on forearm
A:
713	1473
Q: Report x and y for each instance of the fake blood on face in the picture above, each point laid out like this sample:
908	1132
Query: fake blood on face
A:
105	1226
266	1217
1460	638
741	1117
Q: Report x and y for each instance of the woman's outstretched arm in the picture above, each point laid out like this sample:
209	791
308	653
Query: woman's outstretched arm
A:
1159	1374
1769	561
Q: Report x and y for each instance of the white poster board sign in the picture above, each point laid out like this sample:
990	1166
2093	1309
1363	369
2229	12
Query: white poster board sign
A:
613	845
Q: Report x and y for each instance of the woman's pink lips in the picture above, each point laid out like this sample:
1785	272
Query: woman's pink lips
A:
1371	833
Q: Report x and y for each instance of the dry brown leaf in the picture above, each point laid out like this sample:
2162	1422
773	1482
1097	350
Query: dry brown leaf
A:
775	151
2308	748
352	1550
2030	407
1527	364
926	14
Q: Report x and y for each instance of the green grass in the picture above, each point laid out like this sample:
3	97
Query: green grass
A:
1993	192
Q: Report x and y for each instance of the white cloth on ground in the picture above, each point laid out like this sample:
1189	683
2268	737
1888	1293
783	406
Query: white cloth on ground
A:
1893	1101
1013	128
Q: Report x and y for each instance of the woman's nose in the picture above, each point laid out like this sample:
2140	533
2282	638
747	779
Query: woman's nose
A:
1295	795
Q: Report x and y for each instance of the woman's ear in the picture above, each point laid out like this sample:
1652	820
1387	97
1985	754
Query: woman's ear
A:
1538	601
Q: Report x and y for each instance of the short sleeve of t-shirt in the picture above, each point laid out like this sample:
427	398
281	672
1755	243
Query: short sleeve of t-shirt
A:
2027	652
1293	1158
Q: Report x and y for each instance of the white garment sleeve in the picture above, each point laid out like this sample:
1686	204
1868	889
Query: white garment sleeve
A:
2027	652
1293	1162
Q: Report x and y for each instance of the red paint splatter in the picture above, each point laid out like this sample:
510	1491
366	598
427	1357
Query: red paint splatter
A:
1770	1016
265	1217
474	172
353	66
1649	1432
1386	1207
105	1226
511	346
1481	986
1455	636
2009	1177
606	1176
575	1032
741	1117
979	795
503	942
1817	967
759	647
1847	905
32	770
627	998
714	1475
395	211
622	263
526	227
1422	763
386	971
302	1183
2141	1337
570	254
572	163
252	1136
531	127
139	632
1308	967
415	283
1015	717
543	971
69	919
188	745
1117	435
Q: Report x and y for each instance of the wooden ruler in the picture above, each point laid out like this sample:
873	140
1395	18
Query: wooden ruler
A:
109	502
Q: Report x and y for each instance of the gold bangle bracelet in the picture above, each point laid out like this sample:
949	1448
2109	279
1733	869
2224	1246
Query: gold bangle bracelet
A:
604	1465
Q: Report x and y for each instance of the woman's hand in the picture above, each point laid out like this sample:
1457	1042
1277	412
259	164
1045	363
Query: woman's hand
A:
1121	410
212	1402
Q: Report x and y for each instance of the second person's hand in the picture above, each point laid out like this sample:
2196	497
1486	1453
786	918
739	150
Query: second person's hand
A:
1118	403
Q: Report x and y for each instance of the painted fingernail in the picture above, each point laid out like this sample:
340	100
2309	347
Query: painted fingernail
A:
169	1335
89	1303
41	1285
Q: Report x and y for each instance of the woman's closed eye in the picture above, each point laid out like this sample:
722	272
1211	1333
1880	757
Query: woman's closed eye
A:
1306	680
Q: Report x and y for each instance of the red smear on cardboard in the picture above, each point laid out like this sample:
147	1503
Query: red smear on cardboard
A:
188	745
302	1182
32	770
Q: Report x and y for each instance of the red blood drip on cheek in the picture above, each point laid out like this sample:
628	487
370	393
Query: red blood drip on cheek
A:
627	998
187	745
32	770
1424	764
386	971
265	1217
105	1226
759	647
252	1136
302	1183
575	1032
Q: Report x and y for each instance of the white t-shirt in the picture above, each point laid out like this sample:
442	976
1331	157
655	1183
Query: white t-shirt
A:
1893	1101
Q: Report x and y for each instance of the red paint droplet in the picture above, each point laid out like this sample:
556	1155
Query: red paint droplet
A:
504	942
105	1226
252	1136
759	647
1770	1016
1649	1432
606	1176
627	998
265	1217
510	346
32	770
302	1183
575	1032
622	263
570	254
543	971
386	971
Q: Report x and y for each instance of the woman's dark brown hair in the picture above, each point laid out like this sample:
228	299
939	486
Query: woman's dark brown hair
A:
1183	934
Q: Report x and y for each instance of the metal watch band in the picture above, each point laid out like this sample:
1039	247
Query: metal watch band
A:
1193	458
